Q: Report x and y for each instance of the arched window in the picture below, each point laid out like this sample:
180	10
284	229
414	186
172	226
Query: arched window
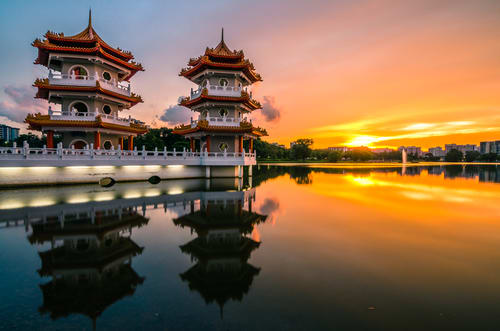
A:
223	113
106	75
106	109
107	144
79	72
223	82
223	147
79	108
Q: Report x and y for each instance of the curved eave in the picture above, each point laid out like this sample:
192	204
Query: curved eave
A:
203	97
220	129
201	65
37	122
43	89
97	50
96	40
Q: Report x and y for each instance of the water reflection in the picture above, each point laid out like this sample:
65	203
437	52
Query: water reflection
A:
89	262
222	246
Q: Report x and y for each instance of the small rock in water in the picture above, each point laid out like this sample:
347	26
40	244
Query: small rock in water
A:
372	308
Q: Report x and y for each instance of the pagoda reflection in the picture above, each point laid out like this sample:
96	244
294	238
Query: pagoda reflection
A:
223	224
89	261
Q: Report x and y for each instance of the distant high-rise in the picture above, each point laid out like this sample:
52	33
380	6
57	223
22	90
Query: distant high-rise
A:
486	147
8	133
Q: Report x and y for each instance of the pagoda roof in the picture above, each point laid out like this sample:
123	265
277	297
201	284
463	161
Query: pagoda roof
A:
200	249
245	99
44	87
221	57
61	298
203	126
85	42
38	121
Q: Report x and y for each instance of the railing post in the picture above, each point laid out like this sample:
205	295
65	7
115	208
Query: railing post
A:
135	150
165	152
175	153
120	151
25	149
91	150
184	152
44	150
60	150
156	151
143	152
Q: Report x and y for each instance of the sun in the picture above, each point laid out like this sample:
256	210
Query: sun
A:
362	141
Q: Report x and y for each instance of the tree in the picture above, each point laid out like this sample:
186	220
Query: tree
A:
471	156
334	156
301	150
489	157
454	155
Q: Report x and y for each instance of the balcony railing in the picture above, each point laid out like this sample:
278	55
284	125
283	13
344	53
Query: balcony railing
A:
217	90
86	116
83	80
21	156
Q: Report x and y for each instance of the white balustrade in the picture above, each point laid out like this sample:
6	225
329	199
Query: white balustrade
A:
217	90
86	116
224	121
84	80
26	155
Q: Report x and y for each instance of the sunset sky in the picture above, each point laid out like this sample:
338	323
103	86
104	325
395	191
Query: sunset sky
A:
377	73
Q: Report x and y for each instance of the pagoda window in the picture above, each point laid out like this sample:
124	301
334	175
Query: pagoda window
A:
79	72
79	107
204	114
205	83
223	147
223	113
223	82
107	144
106	109
106	75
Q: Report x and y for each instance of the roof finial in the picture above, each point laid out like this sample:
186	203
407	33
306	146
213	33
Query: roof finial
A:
90	17
222	35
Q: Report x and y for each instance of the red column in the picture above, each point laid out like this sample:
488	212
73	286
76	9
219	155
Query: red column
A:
208	144
50	139
191	143
251	145
121	143
241	144
130	143
97	140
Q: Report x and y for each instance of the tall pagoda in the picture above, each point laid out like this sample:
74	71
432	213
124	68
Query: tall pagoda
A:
222	100
89	80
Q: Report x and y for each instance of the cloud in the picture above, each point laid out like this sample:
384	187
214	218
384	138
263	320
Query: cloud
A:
176	114
269	110
21	102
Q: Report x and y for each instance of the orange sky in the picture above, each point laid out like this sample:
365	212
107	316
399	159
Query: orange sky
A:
377	73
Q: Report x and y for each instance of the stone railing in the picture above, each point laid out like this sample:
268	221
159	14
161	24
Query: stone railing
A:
217	90
84	80
86	116
26	154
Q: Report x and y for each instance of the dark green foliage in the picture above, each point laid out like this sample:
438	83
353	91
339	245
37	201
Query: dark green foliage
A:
334	156
301	150
161	138
454	155
472	156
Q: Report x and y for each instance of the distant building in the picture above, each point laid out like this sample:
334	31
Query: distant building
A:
413	150
278	145
342	149
486	147
382	150
8	133
437	151
462	148
293	143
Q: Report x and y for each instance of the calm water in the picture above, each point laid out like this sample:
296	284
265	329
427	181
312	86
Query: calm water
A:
297	248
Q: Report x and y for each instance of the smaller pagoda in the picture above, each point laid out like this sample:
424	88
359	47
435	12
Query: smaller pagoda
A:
223	101
88	79
221	249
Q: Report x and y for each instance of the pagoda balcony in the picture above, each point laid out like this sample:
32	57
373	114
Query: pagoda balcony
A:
218	121
81	116
84	80
218	90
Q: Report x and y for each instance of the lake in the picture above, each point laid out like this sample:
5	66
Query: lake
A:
293	248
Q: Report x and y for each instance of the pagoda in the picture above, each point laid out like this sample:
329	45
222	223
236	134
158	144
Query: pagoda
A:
89	80
90	261
223	101
222	247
